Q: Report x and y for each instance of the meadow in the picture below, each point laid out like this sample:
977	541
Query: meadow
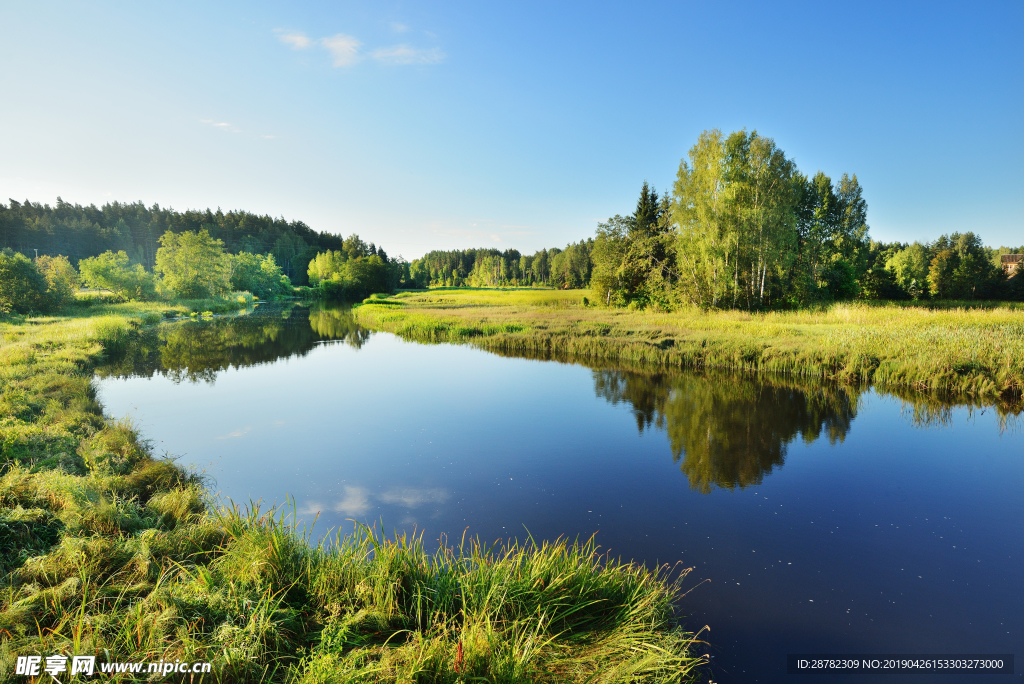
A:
107	550
966	350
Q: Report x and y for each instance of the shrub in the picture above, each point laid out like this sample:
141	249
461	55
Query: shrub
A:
112	271
61	279
22	287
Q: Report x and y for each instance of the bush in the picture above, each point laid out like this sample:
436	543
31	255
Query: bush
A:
112	271
61	279
194	265
22	287
258	274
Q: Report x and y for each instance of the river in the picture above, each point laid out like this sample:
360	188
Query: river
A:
816	518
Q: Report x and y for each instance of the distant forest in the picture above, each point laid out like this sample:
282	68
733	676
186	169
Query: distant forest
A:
79	232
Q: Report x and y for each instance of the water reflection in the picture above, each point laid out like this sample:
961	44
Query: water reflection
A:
197	350
730	431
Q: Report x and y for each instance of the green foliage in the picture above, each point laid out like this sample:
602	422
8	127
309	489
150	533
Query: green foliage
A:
110	271
258	274
23	288
909	267
355	272
61	279
81	232
961	269
193	265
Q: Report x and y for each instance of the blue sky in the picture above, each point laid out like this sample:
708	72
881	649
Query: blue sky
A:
444	125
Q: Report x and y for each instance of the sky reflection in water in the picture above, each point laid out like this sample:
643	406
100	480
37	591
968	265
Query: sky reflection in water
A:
822	519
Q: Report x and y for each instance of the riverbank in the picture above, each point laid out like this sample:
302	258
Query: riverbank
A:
971	351
108	551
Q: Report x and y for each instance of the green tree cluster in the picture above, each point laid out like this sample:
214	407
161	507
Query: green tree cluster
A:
39	286
80	232
356	271
114	271
258	274
560	268
189	265
754	232
633	255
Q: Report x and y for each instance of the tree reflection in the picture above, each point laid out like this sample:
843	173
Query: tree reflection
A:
729	430
199	350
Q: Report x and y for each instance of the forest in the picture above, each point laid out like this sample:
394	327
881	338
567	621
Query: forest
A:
79	232
186	264
741	228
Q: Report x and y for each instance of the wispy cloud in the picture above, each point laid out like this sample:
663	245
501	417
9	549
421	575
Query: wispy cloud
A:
344	49
293	39
224	126
412	497
399	27
355	502
407	54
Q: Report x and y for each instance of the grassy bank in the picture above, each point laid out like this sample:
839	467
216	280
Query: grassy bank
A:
107	551
975	351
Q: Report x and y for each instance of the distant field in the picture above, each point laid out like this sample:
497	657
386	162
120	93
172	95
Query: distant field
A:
971	348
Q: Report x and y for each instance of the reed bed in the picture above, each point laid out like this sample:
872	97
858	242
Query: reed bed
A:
107	551
975	351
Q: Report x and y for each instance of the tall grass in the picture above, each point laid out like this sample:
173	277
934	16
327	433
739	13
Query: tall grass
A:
106	551
975	351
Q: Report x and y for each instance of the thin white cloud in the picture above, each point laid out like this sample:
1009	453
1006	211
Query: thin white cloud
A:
293	39
271	137
224	126
355	502
412	497
399	27
236	433
406	54
344	49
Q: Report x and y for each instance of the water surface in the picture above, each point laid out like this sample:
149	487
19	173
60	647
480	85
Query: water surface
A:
816	518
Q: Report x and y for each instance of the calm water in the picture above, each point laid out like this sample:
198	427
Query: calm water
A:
816	519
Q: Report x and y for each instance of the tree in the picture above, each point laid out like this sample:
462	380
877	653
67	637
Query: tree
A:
112	271
735	206
258	274
22	286
961	268
909	267
707	242
607	255
61	279
644	272
193	264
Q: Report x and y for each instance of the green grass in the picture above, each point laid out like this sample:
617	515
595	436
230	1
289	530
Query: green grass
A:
107	551
966	349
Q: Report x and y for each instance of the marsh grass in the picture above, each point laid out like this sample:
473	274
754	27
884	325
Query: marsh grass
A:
952	348
106	550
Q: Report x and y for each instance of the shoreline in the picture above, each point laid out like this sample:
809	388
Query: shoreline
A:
972	354
110	551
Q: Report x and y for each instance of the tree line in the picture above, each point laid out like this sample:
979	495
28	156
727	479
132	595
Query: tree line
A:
79	232
742	228
561	268
192	265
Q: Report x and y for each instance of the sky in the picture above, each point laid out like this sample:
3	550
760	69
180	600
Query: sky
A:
520	125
